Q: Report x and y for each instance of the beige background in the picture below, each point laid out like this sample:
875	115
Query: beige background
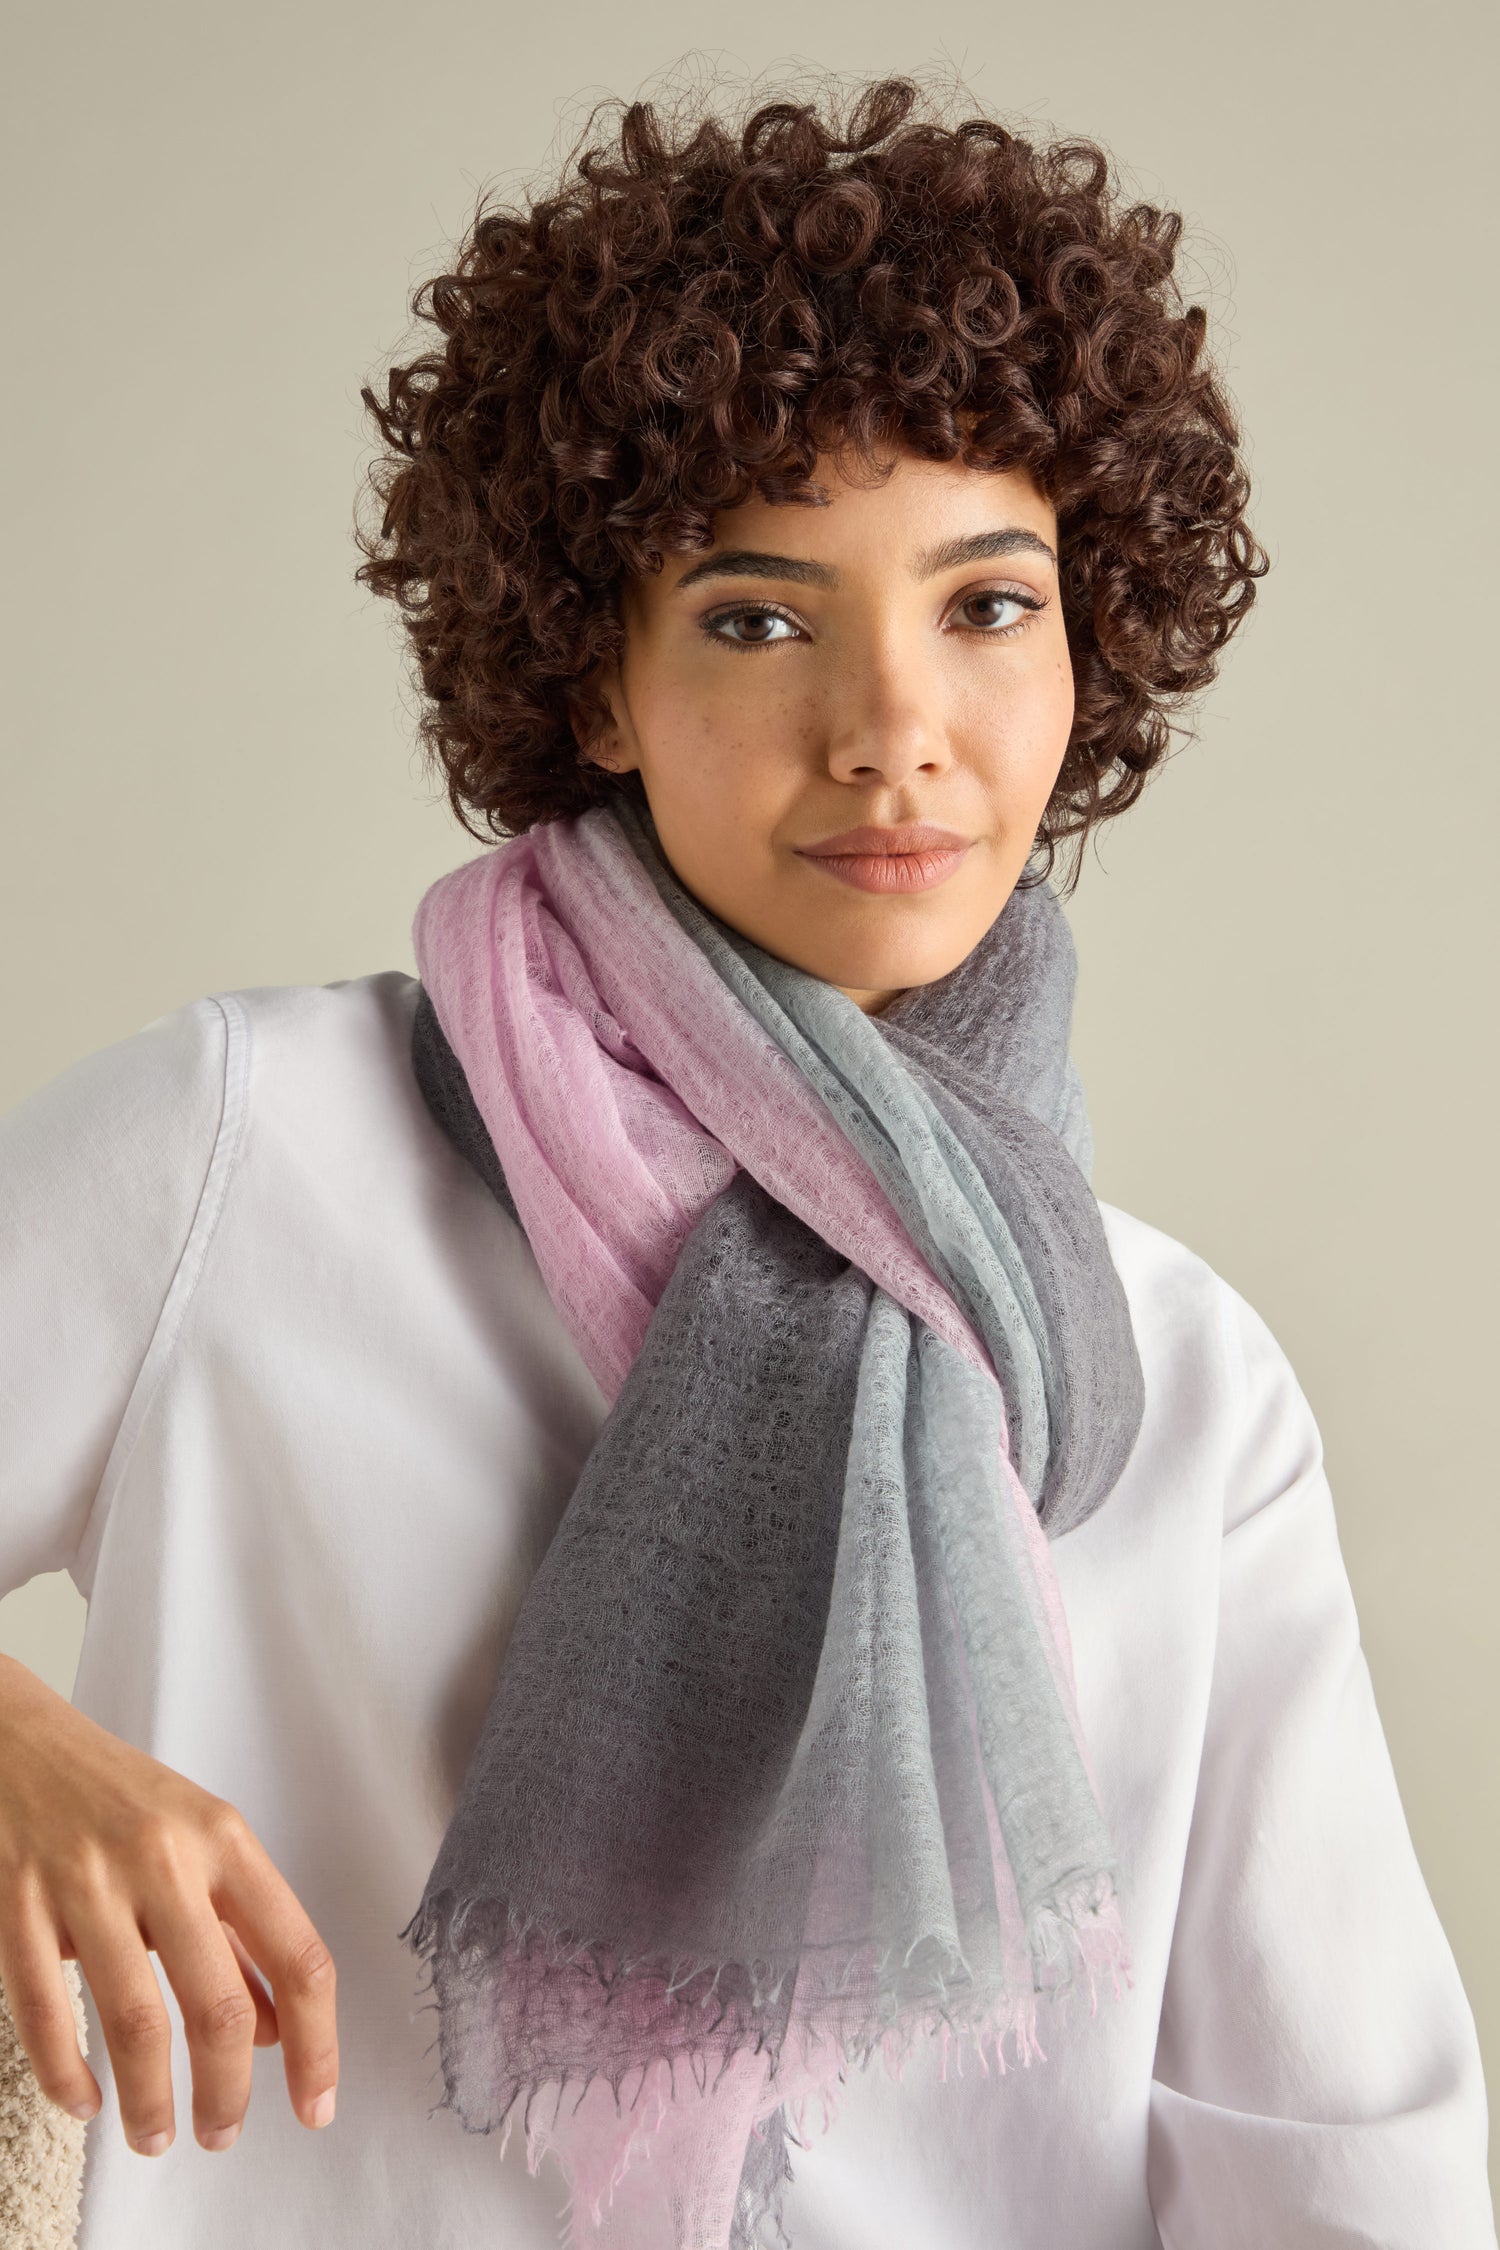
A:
1285	1019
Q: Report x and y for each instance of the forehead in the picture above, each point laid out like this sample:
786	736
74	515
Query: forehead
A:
900	516
902	512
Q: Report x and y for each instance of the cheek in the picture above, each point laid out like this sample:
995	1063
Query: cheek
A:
1018	730
723	735
715	786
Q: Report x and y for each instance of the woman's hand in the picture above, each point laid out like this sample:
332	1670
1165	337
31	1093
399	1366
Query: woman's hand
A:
107	1856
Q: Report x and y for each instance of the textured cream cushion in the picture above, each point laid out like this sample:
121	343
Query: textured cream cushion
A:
41	2147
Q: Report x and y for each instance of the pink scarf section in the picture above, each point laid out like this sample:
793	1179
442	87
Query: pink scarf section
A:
623	1084
615	1141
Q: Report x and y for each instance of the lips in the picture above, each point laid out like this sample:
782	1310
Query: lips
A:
912	857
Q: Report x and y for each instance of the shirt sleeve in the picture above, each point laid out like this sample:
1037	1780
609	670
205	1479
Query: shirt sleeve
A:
101	1178
1318	2078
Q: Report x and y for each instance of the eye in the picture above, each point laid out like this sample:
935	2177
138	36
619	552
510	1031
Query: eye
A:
996	611
751	625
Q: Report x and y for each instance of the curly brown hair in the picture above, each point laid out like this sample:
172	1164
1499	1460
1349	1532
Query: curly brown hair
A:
696	313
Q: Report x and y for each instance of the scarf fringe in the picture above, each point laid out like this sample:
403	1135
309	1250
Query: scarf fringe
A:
1075	1940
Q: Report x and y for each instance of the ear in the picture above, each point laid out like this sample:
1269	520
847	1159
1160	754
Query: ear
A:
608	742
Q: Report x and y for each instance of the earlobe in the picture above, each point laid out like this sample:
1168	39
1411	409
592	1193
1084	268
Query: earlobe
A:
595	721
594	750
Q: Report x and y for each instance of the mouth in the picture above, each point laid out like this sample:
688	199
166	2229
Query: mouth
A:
913	857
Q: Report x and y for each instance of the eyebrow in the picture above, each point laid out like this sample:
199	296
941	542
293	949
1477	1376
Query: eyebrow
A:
754	562
750	562
982	546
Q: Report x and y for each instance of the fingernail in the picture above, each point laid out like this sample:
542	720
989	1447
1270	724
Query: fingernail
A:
83	2111
223	2136
321	2112
153	2144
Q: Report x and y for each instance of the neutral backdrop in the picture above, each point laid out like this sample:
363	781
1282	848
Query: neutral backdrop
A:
1286	1009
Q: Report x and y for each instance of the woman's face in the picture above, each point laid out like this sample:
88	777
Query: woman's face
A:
895	658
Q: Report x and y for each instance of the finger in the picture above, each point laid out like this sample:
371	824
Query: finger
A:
267	2031
297	1965
218	2018
137	2029
41	2008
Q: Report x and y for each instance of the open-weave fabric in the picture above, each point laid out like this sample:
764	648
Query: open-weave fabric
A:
782	1766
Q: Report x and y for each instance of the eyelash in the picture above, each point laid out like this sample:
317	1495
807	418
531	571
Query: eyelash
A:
1032	603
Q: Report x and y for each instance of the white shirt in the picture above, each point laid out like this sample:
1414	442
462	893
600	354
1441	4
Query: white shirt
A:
282	1387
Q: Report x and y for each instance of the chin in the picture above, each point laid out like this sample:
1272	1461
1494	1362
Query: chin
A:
890	966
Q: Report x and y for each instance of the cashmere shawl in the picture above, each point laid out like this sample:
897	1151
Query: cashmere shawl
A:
782	1767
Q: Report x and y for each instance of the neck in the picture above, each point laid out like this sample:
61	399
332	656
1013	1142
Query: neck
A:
871	1002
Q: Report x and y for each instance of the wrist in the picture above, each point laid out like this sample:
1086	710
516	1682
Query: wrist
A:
17	1680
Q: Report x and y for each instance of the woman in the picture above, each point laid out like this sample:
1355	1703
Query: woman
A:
634	1468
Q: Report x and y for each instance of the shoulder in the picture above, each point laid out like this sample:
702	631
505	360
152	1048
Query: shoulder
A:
125	1132
294	1056
309	1081
311	1035
356	1017
311	1047
332	1106
1213	1364
171	1067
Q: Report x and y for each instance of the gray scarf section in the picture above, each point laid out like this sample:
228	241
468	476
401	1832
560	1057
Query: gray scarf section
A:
730	1757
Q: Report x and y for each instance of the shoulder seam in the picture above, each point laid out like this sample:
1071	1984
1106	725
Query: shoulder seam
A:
223	1157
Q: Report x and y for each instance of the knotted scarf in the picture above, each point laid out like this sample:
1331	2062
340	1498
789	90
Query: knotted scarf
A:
782	1766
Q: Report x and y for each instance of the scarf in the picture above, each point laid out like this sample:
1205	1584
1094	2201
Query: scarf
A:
782	1767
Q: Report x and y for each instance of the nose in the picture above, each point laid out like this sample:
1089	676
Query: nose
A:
888	721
